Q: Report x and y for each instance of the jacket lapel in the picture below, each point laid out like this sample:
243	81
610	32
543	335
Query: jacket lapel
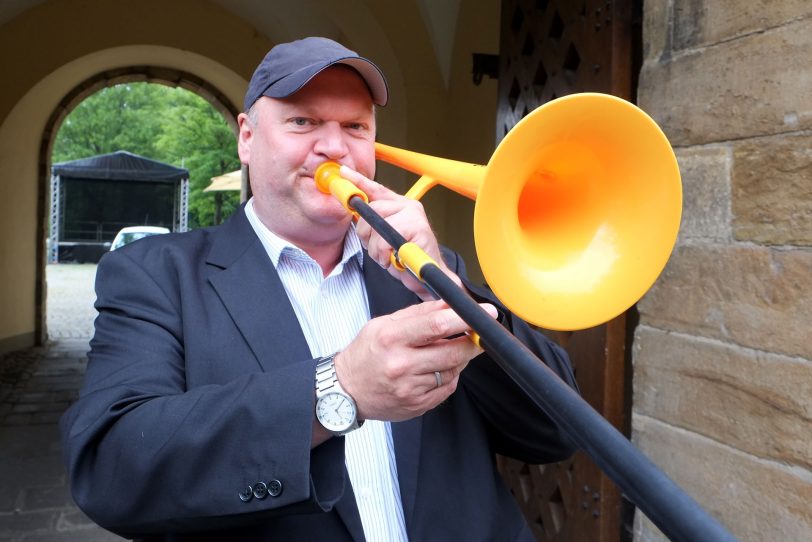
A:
347	509
249	287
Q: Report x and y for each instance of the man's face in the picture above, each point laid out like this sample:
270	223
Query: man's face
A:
331	118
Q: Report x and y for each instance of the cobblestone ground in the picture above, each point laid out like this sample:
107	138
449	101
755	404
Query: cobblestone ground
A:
70	301
36	386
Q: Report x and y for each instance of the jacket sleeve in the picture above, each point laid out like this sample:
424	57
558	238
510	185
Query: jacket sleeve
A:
519	428
148	453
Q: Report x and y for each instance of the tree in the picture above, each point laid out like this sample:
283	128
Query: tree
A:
123	117
171	125
196	136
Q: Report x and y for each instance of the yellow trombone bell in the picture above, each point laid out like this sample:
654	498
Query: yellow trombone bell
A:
576	212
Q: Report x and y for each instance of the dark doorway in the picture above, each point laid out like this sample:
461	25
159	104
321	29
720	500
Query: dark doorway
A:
548	49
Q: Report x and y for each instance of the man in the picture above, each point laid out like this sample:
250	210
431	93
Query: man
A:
272	379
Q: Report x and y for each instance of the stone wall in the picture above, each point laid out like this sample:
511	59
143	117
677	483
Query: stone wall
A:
723	353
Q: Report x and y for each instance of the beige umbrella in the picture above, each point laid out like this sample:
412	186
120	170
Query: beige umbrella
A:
225	182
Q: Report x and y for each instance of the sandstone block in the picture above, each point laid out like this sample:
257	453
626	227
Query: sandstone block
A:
734	90
756	500
752	296
656	28
704	22
705	194
756	402
772	191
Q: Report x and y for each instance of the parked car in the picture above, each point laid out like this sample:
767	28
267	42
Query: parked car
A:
134	233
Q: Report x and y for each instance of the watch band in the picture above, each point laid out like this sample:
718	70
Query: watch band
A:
326	377
327	382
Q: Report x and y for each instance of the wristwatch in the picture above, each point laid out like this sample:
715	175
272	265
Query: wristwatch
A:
335	409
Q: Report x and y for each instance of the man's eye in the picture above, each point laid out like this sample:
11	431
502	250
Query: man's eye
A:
300	121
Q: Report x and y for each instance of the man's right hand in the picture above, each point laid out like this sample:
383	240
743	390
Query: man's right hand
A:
389	368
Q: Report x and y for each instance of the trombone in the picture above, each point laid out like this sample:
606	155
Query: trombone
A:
576	214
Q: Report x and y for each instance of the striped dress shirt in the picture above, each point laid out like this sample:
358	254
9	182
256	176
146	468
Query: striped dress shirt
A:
331	311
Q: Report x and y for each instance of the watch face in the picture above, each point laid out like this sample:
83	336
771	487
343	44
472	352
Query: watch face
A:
336	412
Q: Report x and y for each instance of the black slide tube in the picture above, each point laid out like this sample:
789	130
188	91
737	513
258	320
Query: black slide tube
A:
672	510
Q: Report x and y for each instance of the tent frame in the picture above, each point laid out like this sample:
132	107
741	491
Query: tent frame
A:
177	176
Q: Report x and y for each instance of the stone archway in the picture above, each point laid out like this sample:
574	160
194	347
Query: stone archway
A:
431	107
222	97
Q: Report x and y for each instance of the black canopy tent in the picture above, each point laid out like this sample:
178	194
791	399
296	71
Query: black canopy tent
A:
93	198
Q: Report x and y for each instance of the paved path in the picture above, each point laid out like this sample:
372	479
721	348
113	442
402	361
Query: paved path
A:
36	386
71	296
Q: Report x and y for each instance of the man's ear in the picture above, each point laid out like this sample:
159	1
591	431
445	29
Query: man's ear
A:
245	137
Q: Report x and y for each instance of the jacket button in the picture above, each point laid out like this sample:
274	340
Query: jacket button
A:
275	488
260	490
247	494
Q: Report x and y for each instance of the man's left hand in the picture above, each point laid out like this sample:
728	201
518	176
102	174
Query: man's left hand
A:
409	218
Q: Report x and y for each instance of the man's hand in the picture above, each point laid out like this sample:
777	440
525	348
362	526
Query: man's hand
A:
389	368
409	218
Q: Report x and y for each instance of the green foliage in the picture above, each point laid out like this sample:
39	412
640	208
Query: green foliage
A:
171	125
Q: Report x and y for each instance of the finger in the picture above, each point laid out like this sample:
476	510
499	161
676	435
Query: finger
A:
435	395
379	250
372	189
417	310
389	207
448	357
444	379
428	307
490	309
424	323
363	230
407	216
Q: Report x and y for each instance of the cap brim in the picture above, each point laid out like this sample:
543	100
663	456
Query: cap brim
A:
373	77
371	74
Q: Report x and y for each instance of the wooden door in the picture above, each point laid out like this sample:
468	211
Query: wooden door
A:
550	48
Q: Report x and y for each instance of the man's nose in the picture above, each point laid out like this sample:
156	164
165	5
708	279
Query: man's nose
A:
330	142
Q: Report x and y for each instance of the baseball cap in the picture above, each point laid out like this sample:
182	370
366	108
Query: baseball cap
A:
289	66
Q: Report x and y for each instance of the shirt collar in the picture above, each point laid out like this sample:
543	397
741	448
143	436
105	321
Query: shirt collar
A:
277	247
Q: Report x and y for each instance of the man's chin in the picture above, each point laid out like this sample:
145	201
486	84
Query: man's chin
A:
333	213
323	208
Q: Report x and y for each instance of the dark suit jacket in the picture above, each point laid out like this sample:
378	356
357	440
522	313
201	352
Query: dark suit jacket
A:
200	383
